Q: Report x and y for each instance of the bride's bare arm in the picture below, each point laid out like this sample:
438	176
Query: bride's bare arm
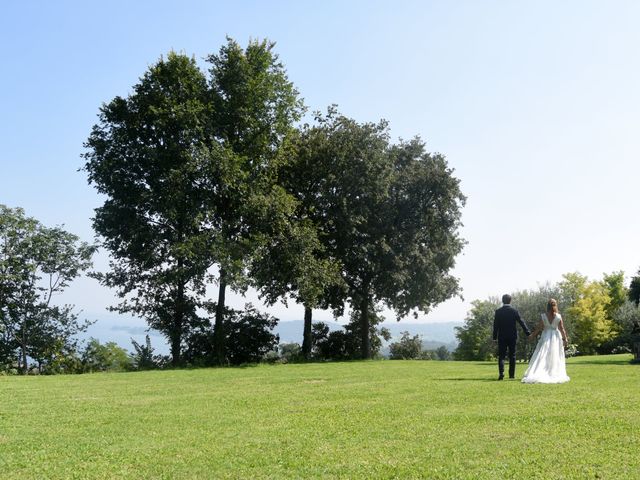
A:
537	330
563	332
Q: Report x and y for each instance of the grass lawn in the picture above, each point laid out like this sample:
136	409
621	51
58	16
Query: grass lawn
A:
378	419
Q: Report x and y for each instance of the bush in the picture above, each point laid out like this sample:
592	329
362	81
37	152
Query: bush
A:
248	338
442	353
105	358
272	357
291	352
345	344
407	348
571	350
143	357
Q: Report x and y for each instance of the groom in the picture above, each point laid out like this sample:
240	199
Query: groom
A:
506	333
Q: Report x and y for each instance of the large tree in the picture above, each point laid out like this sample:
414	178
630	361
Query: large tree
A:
296	263
189	164
153	157
36	264
390	216
254	108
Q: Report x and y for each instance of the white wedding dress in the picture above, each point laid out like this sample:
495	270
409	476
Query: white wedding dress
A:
547	364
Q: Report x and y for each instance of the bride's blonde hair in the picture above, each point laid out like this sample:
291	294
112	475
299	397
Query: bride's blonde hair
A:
552	305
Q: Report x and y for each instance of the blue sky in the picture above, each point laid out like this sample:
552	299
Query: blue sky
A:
535	105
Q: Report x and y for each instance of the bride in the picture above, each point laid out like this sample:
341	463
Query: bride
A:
547	363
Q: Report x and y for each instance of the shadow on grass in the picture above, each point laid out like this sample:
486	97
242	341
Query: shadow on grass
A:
619	359
595	362
469	379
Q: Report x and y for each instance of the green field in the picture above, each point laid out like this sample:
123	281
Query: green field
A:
377	419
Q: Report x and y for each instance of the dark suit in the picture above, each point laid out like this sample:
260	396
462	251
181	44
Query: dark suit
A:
506	333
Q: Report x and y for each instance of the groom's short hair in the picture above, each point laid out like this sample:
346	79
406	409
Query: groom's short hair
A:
506	299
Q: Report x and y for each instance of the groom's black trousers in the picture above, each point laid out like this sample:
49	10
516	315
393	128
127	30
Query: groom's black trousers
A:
504	347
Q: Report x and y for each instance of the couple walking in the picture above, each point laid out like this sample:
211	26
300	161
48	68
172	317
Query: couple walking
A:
547	363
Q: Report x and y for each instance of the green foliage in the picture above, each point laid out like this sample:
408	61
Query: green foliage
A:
188	164
587	312
442	353
475	336
149	155
37	263
290	352
254	108
249	338
596	315
389	215
625	319
634	289
400	419
407	348
108	357
617	291
346	344
143	358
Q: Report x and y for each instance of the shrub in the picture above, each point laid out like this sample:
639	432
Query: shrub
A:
291	352
407	348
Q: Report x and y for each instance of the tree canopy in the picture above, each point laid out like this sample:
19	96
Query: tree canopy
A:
149	155
37	263
389	213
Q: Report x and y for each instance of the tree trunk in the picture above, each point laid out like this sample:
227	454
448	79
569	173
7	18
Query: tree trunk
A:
306	338
364	327
218	329
23	348
176	330
175	343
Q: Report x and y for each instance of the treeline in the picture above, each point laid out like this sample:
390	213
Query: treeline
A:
600	316
210	182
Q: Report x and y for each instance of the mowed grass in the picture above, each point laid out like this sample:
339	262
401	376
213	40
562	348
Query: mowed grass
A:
378	419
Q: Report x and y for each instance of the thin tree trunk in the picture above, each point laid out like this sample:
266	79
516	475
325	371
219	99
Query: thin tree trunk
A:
175	348
364	327
306	338
218	329
23	347
178	323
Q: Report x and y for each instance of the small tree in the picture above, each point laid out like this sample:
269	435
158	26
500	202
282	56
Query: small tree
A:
36	264
290	352
588	312
143	358
475	336
109	357
249	337
442	353
617	291
407	348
